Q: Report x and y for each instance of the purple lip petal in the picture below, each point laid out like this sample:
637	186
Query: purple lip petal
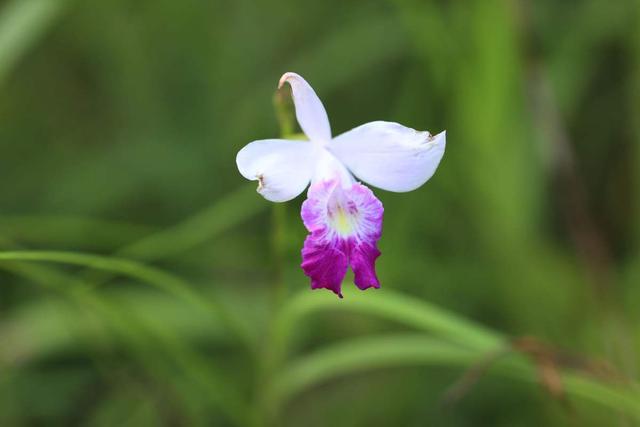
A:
345	226
363	259
324	263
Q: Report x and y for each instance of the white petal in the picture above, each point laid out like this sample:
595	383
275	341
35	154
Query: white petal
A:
310	112
390	156
283	168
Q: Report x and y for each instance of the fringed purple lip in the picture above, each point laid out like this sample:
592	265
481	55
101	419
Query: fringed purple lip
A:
343	217
344	228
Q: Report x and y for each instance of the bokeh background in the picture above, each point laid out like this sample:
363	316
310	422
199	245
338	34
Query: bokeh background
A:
144	282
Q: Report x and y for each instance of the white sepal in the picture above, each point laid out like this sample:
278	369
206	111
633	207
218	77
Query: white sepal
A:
390	156
283	168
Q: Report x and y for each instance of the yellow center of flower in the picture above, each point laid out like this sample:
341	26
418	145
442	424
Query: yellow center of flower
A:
342	222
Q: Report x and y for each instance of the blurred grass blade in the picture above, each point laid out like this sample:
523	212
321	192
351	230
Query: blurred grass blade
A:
152	276
44	327
150	345
573	60
364	354
225	213
70	231
125	267
199	372
22	22
393	307
635	112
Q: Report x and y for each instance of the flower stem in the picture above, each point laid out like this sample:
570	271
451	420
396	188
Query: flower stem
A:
278	227
269	363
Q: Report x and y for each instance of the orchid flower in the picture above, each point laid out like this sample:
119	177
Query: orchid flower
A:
343	217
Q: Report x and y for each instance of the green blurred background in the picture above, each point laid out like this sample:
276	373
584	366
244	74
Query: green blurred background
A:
170	293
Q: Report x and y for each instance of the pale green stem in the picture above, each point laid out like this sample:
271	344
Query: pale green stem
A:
285	118
270	363
278	235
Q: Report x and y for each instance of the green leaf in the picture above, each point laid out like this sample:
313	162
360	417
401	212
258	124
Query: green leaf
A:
390	306
148	343
152	276
399	350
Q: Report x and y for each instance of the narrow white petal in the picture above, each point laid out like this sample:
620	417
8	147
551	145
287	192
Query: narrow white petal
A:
283	168
390	156
310	112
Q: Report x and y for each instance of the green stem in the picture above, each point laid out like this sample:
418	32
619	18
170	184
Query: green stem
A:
269	365
278	227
